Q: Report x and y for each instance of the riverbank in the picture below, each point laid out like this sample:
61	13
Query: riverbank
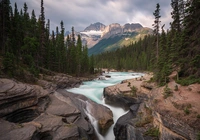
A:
45	110
169	112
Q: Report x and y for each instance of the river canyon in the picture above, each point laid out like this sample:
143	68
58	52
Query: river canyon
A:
94	90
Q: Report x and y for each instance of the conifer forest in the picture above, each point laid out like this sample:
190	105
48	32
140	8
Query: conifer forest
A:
27	44
177	49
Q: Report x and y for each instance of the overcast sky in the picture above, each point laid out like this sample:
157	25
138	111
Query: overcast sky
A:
82	13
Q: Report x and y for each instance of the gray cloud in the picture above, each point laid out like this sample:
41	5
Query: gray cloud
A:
81	13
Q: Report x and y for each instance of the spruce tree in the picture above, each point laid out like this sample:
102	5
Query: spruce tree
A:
5	10
42	56
79	54
156	27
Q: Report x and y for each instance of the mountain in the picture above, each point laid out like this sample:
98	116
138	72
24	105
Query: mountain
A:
92	34
115	36
100	38
95	27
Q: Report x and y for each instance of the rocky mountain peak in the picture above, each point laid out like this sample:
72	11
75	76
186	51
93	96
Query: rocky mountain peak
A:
96	27
131	27
117	29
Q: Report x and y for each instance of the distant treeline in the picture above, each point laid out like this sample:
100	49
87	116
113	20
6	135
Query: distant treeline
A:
27	44
177	49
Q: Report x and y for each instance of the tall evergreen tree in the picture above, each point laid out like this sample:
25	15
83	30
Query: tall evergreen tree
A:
156	27
42	36
5	10
79	54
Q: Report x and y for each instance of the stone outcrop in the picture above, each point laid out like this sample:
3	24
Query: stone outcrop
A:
112	29
35	112
102	114
172	128
96	27
116	29
59	81
124	128
115	96
158	117
12	131
19	102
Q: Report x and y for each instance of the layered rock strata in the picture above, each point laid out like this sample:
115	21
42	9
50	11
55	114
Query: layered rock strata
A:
175	116
48	112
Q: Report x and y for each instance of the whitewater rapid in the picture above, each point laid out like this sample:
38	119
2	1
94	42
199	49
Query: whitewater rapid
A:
94	91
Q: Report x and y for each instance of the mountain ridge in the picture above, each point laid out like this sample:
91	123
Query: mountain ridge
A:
99	37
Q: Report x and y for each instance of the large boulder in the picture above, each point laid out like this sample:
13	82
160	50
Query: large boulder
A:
124	128
102	114
11	131
21	102
115	96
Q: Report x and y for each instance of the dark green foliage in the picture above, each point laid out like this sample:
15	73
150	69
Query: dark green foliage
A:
133	91
188	80
102	45
187	111
178	48
27	46
176	88
9	63
156	27
167	92
153	132
137	56
198	136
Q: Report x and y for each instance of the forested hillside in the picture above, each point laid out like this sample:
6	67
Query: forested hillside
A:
177	49
28	46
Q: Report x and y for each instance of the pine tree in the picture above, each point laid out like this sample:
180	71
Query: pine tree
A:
79	55
85	60
42	37
5	10
190	50
91	64
156	27
73	36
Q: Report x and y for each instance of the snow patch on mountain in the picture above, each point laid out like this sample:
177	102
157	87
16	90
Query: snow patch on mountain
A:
92	32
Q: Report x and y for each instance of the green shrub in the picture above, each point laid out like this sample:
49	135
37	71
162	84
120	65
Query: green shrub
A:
129	84
198	136
167	92
9	64
133	91
187	111
144	121
153	132
176	88
198	116
188	81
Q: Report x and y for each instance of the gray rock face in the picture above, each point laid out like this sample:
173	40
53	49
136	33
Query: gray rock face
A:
131	27
18	102
172	128
101	113
96	26
36	113
61	81
11	131
117	98
116	29
124	128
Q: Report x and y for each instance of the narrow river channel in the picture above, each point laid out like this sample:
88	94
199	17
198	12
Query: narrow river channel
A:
94	91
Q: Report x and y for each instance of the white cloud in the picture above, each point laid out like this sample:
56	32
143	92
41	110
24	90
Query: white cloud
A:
81	13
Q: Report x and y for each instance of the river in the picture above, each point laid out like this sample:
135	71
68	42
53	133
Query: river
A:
94	91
